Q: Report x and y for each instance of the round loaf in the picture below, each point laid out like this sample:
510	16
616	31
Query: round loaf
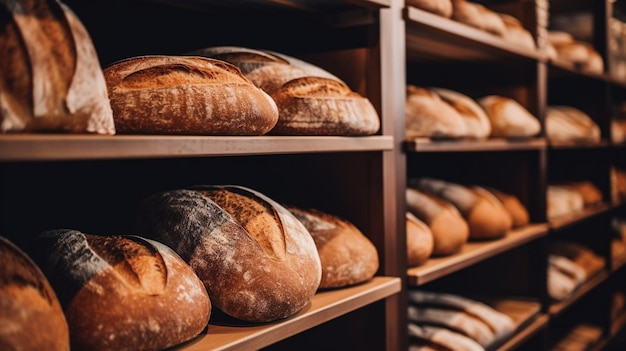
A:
508	118
123	292
31	317
429	116
310	100
348	257
49	72
419	240
257	260
186	95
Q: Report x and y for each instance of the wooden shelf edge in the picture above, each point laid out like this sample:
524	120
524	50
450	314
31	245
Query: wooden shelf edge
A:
325	305
558	307
466	145
587	212
555	145
473	252
55	147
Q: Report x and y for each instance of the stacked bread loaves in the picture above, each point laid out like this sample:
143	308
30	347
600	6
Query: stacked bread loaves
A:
570	265
31	317
122	292
310	100
186	95
50	76
258	262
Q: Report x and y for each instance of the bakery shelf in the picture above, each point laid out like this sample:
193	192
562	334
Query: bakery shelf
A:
444	38
469	145
473	252
526	315
43	147
324	306
561	222
558	307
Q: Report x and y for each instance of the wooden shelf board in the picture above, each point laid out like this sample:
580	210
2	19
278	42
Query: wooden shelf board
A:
469	145
450	39
578	144
59	147
558	307
587	212
325	306
526	315
471	253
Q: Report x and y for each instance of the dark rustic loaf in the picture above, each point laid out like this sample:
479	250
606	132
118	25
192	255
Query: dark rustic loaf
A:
257	260
31	317
311	101
186	95
122	292
50	76
348	257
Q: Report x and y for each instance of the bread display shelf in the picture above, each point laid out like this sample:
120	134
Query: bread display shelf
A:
324	306
558	307
578	144
438	37
39	147
587	212
462	145
471	253
526	316
535	325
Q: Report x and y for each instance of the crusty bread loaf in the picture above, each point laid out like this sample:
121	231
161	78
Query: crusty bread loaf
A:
561	201
310	100
580	254
567	123
580	53
519	214
590	193
50	76
31	317
122	292
449	228
516	33
348	257
419	240
478	16
439	7
509	119
444	338
456	320
186	95
257	260
427	115
475	118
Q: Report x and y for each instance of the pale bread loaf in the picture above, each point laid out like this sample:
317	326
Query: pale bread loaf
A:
478	16
455	320
419	240
580	254
186	95
31	317
427	115
516	33
509	119
449	229
590	193
443	337
50	75
439	7
567	124
310	100
348	257
257	260
561	201
519	214
476	120
559	284
123	292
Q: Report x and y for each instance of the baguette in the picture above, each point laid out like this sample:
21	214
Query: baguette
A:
455	320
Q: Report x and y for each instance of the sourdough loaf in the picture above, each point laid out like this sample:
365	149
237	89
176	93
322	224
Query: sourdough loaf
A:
570	124
186	95
420	242
476	120
310	100
257	260
428	115
50	76
509	119
348	257
31	317
122	292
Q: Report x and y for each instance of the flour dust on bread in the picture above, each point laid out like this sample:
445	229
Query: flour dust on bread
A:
159	94
348	257
310	100
257	260
122	292
50	75
31	317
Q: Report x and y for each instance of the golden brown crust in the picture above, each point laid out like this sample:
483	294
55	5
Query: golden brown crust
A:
419	240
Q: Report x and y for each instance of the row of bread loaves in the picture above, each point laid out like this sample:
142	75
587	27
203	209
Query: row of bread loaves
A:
566	198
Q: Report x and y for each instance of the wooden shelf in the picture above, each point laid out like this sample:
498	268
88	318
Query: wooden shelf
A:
310	6
469	145
444	38
578	144
526	316
44	147
587	212
324	306
558	307
471	253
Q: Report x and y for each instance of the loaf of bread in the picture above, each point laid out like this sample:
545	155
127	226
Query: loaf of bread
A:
570	124
50	75
478	16
476	120
420	242
348	257
519	214
515	32
257	260
122	292
560	285
427	115
579	53
444	338
186	95
455	320
439	7
486	216
590	193
580	254
31	317
561	201
310	100
508	118
448	227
